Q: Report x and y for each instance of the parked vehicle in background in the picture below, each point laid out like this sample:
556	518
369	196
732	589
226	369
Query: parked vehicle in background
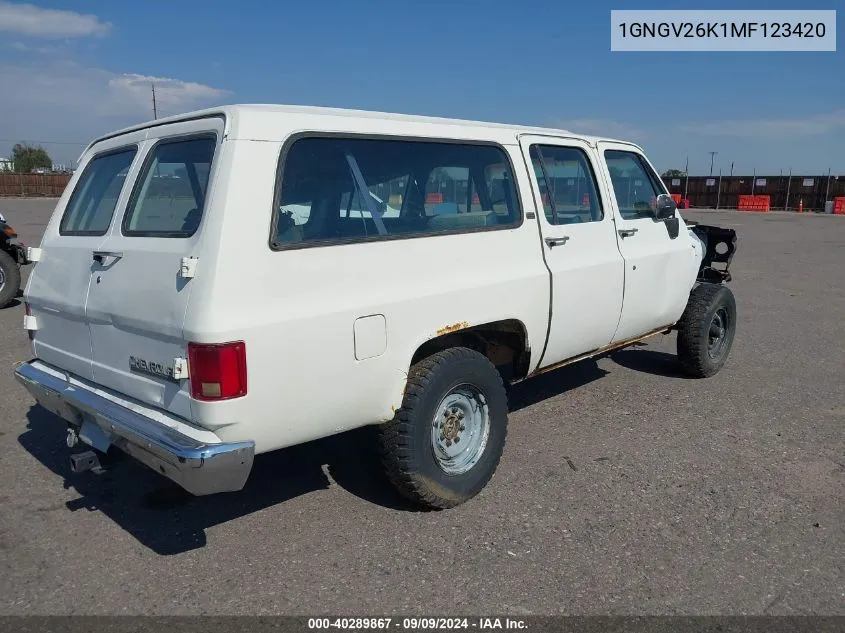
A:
12	257
316	270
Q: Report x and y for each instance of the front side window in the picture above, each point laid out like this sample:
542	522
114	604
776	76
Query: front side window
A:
91	206
567	184
353	189
170	193
634	185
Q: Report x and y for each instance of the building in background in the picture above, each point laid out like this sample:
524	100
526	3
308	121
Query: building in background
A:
6	164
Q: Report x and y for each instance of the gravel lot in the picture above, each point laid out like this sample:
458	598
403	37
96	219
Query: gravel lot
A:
624	488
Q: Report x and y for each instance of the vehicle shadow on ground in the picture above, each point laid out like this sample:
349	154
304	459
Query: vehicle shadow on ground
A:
649	361
553	383
168	520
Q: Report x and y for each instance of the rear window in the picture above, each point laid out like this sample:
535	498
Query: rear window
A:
91	206
169	196
354	189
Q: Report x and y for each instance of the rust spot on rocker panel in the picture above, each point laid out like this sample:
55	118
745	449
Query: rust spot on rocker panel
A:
601	350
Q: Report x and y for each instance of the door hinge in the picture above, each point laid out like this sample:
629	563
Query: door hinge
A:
188	267
32	254
180	368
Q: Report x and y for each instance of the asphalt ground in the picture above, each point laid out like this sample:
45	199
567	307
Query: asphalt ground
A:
625	488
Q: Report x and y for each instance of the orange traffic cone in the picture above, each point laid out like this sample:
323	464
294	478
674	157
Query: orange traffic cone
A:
801	205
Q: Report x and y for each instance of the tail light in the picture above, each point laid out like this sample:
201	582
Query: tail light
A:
217	371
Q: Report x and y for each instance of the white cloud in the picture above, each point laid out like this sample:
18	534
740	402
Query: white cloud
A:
50	49
28	19
65	102
171	94
771	129
603	127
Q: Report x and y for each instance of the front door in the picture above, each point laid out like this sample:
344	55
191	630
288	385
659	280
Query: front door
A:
657	267
579	246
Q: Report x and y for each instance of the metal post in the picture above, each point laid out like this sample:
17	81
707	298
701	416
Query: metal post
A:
719	191
686	184
712	156
827	191
732	170
788	185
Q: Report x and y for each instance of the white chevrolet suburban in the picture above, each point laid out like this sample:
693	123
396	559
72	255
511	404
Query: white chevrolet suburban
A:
234	281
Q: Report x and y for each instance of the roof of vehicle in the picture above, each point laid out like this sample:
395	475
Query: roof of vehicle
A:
273	122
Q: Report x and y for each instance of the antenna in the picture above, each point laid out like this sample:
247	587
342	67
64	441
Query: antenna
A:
155	110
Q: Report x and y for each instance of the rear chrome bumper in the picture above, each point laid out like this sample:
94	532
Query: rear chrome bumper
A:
199	466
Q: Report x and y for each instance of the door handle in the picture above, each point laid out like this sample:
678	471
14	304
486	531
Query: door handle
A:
100	256
627	232
557	241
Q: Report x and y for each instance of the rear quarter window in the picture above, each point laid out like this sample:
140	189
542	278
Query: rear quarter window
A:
91	206
169	195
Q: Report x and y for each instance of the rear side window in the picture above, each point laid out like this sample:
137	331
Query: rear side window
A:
91	206
169	196
352	189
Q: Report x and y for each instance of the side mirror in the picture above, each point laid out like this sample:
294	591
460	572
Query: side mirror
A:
665	208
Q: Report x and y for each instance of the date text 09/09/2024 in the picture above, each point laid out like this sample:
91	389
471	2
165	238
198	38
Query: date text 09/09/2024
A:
417	624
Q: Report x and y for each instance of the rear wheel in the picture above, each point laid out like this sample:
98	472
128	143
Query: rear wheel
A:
706	330
10	279
444	444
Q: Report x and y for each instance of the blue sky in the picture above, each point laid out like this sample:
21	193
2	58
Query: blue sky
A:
66	77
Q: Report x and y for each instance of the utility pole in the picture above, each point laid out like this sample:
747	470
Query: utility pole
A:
732	169
788	186
712	156
686	182
827	191
719	192
155	110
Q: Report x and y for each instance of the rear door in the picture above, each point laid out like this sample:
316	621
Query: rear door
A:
579	246
657	267
57	290
138	291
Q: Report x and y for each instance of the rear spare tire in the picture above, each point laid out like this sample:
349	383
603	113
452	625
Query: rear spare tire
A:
445	442
706	330
10	279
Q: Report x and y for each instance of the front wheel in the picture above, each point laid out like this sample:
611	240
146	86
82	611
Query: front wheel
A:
10	279
706	330
445	442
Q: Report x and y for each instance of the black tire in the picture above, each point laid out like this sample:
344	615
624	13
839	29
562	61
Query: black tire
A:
406	442
11	279
706	330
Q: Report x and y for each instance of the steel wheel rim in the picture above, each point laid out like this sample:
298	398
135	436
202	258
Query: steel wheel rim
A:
2	278
460	429
717	334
